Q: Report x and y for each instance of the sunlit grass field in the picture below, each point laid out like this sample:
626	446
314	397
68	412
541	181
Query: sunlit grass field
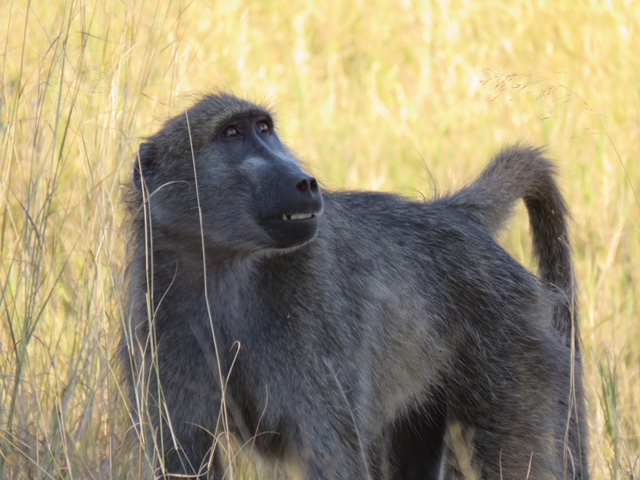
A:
411	97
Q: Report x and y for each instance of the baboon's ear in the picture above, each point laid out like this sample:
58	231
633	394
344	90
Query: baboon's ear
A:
143	165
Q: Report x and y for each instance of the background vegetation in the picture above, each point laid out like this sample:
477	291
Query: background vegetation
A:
373	95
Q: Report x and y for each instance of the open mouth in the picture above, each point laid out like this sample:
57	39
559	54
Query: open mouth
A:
297	216
291	229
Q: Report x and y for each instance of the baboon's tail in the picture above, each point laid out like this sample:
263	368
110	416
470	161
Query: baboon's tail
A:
524	172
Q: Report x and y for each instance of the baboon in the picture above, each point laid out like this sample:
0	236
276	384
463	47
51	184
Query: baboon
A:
515	173
314	324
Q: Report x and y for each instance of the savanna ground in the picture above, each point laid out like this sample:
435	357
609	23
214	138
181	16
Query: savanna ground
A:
372	95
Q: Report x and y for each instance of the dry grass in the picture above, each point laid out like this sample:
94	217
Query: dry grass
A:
370	94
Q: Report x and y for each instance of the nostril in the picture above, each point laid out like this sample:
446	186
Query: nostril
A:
303	185
308	185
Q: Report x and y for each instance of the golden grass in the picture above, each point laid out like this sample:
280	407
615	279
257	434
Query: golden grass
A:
372	95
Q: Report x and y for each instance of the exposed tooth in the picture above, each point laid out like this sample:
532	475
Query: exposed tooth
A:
297	216
301	216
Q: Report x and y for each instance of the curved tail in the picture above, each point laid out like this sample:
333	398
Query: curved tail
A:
520	172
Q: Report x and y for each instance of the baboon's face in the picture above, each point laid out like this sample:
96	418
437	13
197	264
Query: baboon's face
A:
252	194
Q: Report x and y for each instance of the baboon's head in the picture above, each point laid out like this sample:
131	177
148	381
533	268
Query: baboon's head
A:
223	160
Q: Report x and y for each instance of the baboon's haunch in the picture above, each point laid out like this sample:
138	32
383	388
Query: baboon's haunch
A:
357	334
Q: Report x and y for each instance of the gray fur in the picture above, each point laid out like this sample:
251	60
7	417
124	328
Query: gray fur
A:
319	335
515	172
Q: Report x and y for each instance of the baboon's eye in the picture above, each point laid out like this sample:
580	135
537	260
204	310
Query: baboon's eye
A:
230	132
262	126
